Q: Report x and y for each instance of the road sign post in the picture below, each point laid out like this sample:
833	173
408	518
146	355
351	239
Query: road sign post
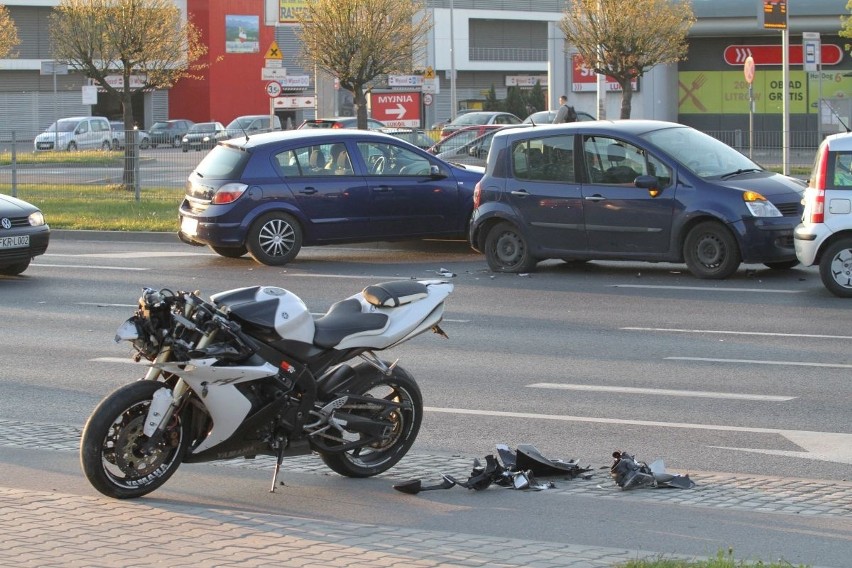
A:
748	71
812	62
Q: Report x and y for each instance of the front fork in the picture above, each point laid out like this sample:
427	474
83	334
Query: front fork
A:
165	402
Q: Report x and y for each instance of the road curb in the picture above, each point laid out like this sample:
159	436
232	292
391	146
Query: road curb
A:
128	236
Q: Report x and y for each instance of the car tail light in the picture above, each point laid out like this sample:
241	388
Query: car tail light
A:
477	194
817	192
337	125
228	193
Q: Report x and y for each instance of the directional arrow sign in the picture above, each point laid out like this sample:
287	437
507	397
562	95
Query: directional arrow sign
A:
772	55
396	109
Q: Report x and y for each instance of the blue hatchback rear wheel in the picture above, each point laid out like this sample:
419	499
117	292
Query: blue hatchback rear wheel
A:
274	239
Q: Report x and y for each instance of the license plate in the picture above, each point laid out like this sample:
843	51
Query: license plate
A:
19	241
189	226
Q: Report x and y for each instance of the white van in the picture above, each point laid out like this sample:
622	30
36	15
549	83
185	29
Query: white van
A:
76	133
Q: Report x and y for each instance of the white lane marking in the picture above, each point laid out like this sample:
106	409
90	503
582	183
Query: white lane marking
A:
728	332
759	362
663	392
707	288
90	266
102	305
823	446
353	276
118	360
129	254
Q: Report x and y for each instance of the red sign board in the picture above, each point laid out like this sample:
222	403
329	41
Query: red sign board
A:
397	108
584	79
772	54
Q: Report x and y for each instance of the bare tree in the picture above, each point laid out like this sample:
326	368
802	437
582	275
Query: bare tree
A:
624	39
359	41
146	40
8	32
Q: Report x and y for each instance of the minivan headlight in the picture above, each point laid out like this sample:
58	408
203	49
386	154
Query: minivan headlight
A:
758	206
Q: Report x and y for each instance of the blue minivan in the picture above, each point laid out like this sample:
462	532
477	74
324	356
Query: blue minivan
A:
641	190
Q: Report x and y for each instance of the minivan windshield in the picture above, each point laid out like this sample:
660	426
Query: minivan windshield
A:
702	154
64	126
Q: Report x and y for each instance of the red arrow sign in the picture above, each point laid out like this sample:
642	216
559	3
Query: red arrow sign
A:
772	54
397	108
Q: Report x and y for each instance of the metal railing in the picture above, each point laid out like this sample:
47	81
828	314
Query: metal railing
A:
162	171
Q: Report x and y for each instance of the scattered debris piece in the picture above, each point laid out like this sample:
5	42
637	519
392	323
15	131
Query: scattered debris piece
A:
517	471
630	474
444	273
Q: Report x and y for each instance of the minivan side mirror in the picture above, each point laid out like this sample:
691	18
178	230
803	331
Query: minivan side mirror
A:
435	171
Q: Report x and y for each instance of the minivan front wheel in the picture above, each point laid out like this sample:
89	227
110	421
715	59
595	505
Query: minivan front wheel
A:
711	252
274	239
507	250
835	268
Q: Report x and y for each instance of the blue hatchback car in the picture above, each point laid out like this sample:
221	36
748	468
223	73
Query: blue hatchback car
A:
631	190
272	193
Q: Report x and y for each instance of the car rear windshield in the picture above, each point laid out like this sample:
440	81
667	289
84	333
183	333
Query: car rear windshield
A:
223	162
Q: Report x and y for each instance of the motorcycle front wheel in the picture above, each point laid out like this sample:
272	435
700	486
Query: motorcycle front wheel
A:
380	456
113	453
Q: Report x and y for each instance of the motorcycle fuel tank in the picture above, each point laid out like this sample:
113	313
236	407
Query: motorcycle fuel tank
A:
269	307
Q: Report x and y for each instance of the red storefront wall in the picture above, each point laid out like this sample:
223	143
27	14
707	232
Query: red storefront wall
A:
230	86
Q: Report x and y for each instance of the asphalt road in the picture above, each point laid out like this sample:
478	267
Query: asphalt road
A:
744	377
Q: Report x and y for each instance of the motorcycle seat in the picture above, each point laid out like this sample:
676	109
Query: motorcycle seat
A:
395	293
344	319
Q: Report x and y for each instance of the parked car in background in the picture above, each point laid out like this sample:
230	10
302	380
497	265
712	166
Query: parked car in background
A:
169	132
479	117
23	234
341	122
321	186
475	152
547	116
462	136
143	140
631	190
252	124
203	136
75	133
825	235
411	135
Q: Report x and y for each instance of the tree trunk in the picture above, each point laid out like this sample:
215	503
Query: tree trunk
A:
360	100
626	96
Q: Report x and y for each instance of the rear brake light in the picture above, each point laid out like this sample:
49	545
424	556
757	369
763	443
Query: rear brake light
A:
337	125
477	194
228	193
818	205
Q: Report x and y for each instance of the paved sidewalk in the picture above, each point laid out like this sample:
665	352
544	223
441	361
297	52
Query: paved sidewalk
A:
47	528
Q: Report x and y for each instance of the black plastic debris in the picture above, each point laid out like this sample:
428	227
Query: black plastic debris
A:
518	470
631	474
415	486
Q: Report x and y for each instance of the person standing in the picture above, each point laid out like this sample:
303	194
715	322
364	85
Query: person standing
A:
566	113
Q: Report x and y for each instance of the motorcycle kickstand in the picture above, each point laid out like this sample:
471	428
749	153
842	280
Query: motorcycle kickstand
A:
280	458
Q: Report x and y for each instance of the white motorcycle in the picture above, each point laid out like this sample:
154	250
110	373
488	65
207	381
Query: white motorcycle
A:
252	372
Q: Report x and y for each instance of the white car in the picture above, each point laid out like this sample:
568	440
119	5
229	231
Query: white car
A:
825	235
76	133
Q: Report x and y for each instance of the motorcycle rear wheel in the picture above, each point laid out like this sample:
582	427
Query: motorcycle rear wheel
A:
110	451
379	457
